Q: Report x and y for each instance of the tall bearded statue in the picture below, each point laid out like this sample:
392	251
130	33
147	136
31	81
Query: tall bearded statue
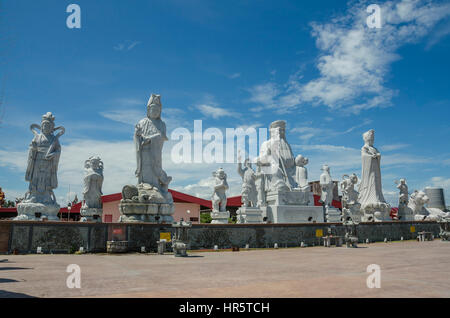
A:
41	173
277	160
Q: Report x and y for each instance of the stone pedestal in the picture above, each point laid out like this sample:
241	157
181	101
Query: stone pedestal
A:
333	215
293	214
146	212
352	213
91	215
249	215
404	213
290	207
37	211
294	197
220	217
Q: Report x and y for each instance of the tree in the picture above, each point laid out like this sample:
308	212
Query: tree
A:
205	217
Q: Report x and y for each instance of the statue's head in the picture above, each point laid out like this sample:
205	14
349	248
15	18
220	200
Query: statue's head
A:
278	129
419	198
301	161
247	163
369	137
154	107
48	124
354	178
220	173
325	168
95	163
402	181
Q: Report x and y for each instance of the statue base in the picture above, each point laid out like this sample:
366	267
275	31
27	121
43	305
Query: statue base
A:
146	212
293	197
376	212
220	217
333	215
145	203
249	215
293	214
404	213
352	213
29	211
91	215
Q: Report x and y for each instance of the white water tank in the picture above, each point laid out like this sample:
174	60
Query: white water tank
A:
436	196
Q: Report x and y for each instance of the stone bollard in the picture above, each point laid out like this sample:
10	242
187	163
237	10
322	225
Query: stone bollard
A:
367	241
161	246
275	245
39	250
302	244
247	246
216	247
385	240
142	249
401	239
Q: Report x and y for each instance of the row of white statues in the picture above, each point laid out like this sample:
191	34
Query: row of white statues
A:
278	191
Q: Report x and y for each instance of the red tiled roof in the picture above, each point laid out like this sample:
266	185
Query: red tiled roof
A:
177	197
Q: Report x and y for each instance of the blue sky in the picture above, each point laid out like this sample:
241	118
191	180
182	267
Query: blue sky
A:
315	64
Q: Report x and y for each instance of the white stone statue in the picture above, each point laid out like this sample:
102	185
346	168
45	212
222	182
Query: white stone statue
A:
219	198
92	207
41	173
419	212
403	195
284	195
301	174
370	191
150	200
301	178
351	209
249	194
149	138
349	194
402	200
260	187
277	160
327	186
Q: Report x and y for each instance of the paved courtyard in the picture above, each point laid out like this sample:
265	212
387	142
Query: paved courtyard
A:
408	269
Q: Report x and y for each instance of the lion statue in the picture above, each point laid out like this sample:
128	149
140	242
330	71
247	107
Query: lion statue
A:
416	208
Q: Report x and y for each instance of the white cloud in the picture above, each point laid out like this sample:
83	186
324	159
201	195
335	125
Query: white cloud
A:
263	95
235	75
306	133
126	46
215	111
354	60
125	116
440	182
393	147
13	159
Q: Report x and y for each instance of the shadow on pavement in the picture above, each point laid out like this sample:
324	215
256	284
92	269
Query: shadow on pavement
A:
7	294
12	268
7	280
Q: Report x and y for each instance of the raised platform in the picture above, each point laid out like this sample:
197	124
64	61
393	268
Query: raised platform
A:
293	214
26	236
